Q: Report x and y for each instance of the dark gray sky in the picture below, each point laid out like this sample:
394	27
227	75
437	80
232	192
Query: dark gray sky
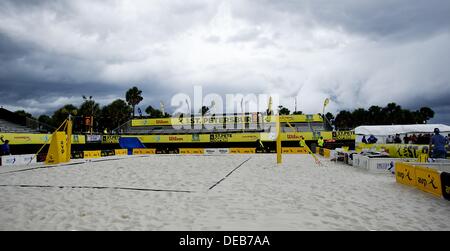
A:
358	53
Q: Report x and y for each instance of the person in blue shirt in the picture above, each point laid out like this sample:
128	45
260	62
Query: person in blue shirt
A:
437	145
372	139
5	147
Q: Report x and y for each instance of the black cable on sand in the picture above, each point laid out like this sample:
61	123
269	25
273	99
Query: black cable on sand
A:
100	188
218	182
69	164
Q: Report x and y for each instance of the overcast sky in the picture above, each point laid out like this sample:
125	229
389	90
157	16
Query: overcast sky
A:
358	53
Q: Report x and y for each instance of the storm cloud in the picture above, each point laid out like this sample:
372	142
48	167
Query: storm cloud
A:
358	53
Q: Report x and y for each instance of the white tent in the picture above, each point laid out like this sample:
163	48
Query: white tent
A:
400	129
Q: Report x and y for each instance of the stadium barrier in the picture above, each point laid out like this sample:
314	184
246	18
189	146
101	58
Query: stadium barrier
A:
17	160
376	164
242	150
121	151
395	150
295	150
324	152
143	151
77	155
424	177
192	151
92	154
216	151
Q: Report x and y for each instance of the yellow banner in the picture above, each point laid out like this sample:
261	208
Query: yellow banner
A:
143	151
295	150
405	174
428	180
242	150
396	150
36	139
217	137
192	151
121	151
92	154
218	120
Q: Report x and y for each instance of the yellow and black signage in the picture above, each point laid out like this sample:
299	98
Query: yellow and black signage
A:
445	183
242	150
121	152
92	154
110	139
192	151
428	180
405	174
343	135
106	153
295	150
220	137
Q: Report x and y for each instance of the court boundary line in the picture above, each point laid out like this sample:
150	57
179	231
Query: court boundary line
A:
218	182
101	188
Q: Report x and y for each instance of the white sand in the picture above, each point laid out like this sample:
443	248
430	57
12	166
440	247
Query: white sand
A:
259	195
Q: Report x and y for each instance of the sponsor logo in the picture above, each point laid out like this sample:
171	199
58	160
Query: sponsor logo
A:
175	139
221	137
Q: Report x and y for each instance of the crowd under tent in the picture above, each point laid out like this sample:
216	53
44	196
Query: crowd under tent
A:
383	131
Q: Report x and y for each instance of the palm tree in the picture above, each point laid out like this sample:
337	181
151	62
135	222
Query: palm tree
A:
134	97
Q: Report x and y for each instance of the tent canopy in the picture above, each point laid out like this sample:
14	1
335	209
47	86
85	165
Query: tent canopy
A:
400	129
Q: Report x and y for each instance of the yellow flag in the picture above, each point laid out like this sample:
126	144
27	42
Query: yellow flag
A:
327	101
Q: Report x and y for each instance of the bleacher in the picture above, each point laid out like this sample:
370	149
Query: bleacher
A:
6	126
163	126
13	123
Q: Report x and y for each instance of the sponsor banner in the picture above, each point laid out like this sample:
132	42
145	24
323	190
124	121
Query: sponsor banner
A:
15	160
93	138
405	151
242	150
36	139
396	150
445	183
304	118
295	150
92	154
121	151
143	151
428	180
217	137
220	120
77	155
107	153
405	174
111	139
192	151
343	135
216	151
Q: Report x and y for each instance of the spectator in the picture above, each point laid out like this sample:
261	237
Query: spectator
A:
413	139
437	145
372	139
5	147
389	140
364	140
406	139
397	139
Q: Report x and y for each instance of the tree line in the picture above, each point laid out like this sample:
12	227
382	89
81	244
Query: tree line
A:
391	114
108	117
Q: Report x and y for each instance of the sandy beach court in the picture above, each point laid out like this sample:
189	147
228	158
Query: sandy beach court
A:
227	192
